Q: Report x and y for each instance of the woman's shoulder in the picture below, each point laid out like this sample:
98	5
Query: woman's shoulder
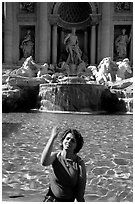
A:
57	155
54	156
82	167
80	160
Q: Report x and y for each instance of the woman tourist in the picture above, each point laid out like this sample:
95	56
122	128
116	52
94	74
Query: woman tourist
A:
68	177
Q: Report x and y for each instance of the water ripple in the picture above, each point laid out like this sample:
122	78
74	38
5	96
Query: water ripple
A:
107	152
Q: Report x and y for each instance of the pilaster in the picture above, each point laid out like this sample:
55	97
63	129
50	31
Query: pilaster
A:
54	44
43	32
8	33
93	45
85	42
106	31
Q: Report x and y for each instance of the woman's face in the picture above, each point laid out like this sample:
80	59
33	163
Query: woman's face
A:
69	143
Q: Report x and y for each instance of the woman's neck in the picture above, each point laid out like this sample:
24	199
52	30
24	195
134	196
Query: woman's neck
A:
68	155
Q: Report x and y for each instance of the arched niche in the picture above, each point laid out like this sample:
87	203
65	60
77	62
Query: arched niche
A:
79	15
82	16
93	6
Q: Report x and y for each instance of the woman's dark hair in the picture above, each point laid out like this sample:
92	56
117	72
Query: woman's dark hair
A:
78	137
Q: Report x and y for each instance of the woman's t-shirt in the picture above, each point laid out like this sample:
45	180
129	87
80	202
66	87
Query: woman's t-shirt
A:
65	174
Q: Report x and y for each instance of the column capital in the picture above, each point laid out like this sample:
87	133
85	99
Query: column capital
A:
95	18
53	19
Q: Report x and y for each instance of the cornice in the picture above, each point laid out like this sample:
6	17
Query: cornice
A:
26	18
123	18
93	19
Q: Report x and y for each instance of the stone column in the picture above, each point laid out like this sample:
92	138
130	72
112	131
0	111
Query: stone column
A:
43	27
62	41
98	42
49	43
93	45
85	41
54	44
8	33
106	30
131	52
131	47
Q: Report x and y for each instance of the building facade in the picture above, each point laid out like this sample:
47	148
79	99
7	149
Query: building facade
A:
45	24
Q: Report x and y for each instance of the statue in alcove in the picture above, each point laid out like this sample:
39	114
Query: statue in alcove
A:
121	44
72	47
27	45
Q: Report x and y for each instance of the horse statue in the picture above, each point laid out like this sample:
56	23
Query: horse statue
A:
26	70
99	77
123	67
106	68
114	70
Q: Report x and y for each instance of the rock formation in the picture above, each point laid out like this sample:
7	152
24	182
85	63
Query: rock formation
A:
58	91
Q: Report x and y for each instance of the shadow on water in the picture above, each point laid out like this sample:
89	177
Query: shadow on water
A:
9	128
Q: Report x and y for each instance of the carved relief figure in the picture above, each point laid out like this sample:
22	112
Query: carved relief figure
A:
27	45
72	47
122	6
121	44
27	7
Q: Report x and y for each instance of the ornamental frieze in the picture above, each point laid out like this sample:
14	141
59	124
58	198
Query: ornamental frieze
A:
123	7
27	7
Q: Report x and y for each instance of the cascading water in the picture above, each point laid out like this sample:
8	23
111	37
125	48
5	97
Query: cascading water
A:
78	97
124	92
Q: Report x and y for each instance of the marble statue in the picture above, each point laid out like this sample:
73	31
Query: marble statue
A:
26	70
100	77
123	67
27	45
72	47
121	43
43	69
112	70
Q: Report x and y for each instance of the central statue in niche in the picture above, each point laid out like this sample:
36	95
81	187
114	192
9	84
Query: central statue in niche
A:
74	59
72	47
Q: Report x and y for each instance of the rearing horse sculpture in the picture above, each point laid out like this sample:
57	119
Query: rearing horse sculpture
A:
112	69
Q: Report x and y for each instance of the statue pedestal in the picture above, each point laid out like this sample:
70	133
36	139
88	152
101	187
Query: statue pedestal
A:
73	70
77	69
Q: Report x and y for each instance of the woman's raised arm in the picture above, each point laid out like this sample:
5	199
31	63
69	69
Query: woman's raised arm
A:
48	156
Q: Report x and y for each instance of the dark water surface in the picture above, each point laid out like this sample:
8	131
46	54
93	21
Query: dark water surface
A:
107	152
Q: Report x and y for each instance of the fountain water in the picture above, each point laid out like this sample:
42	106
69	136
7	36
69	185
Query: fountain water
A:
76	88
76	93
71	97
